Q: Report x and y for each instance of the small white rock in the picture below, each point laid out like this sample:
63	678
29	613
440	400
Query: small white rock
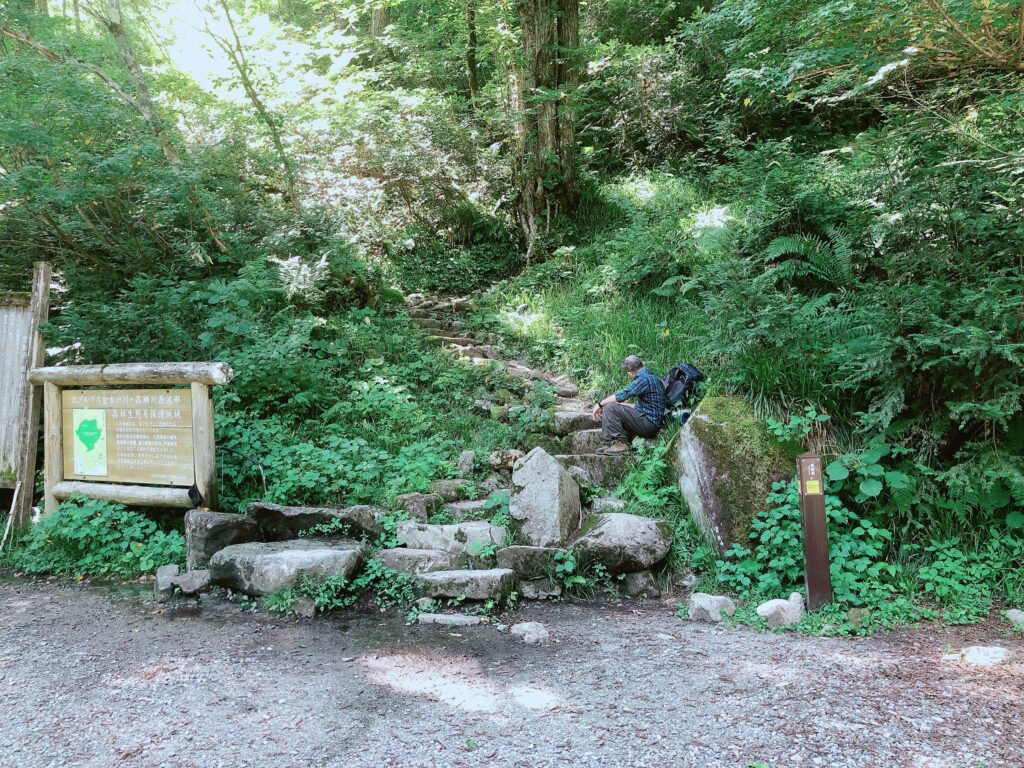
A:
530	632
782	613
1015	617
709	608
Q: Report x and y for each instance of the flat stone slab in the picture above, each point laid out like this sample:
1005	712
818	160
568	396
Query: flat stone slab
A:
567	422
605	471
262	568
414	561
468	537
490	584
449	619
279	522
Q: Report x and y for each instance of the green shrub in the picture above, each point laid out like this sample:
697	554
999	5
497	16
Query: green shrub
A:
85	537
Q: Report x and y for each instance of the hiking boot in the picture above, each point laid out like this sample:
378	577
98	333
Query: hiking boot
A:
618	448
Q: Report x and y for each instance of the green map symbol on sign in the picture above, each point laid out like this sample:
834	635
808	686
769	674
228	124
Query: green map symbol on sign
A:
89	433
89	427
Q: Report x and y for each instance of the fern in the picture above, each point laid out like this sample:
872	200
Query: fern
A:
830	261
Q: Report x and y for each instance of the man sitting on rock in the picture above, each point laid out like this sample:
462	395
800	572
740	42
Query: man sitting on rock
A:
621	422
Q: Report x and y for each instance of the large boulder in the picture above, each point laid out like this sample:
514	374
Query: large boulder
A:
262	568
209	532
490	584
280	522
623	543
545	504
726	462
469	537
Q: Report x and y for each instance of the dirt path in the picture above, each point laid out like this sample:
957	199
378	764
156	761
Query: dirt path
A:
96	677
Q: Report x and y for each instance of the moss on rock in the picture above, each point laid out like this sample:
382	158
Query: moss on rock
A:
726	462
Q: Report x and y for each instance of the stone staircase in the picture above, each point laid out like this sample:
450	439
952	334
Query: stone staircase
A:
466	556
571	417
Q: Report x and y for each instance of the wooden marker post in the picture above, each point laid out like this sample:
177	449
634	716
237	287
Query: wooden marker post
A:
812	507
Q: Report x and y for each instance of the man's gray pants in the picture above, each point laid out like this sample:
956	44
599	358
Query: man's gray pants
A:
621	422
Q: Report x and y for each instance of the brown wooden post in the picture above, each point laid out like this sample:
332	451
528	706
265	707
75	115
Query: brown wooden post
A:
53	458
203	443
31	403
812	507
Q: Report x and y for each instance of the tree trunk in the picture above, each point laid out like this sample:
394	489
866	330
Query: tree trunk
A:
144	102
471	43
545	126
380	17
234	50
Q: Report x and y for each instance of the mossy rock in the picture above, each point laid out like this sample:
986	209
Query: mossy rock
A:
726	462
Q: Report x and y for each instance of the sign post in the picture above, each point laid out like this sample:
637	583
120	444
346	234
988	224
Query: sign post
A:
149	444
812	508
21	348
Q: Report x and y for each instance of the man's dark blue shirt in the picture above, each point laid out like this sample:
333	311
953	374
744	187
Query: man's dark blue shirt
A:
649	393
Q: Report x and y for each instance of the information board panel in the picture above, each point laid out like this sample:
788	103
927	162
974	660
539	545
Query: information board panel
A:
139	436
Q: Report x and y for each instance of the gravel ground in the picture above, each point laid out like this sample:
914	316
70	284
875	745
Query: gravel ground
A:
99	677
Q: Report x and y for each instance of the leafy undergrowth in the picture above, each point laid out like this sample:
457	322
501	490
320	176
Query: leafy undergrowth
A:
86	537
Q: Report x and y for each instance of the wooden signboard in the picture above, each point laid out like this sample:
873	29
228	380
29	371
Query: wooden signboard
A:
151	443
139	436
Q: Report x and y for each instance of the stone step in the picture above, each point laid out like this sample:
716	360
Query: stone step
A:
281	522
586	440
567	422
467	510
416	561
449	619
469	537
467	350
490	584
529	562
605	471
459	340
262	568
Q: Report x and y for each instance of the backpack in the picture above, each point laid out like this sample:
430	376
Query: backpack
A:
680	387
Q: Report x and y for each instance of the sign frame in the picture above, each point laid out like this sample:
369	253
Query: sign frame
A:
200	377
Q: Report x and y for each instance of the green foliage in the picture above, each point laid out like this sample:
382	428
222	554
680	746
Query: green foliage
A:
566	571
775	565
85	537
647	482
799	426
498	505
387	587
534	413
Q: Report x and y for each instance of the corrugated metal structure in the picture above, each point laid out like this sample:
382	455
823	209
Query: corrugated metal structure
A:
15	335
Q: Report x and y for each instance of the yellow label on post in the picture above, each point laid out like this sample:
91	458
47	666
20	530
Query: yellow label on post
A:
812	487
